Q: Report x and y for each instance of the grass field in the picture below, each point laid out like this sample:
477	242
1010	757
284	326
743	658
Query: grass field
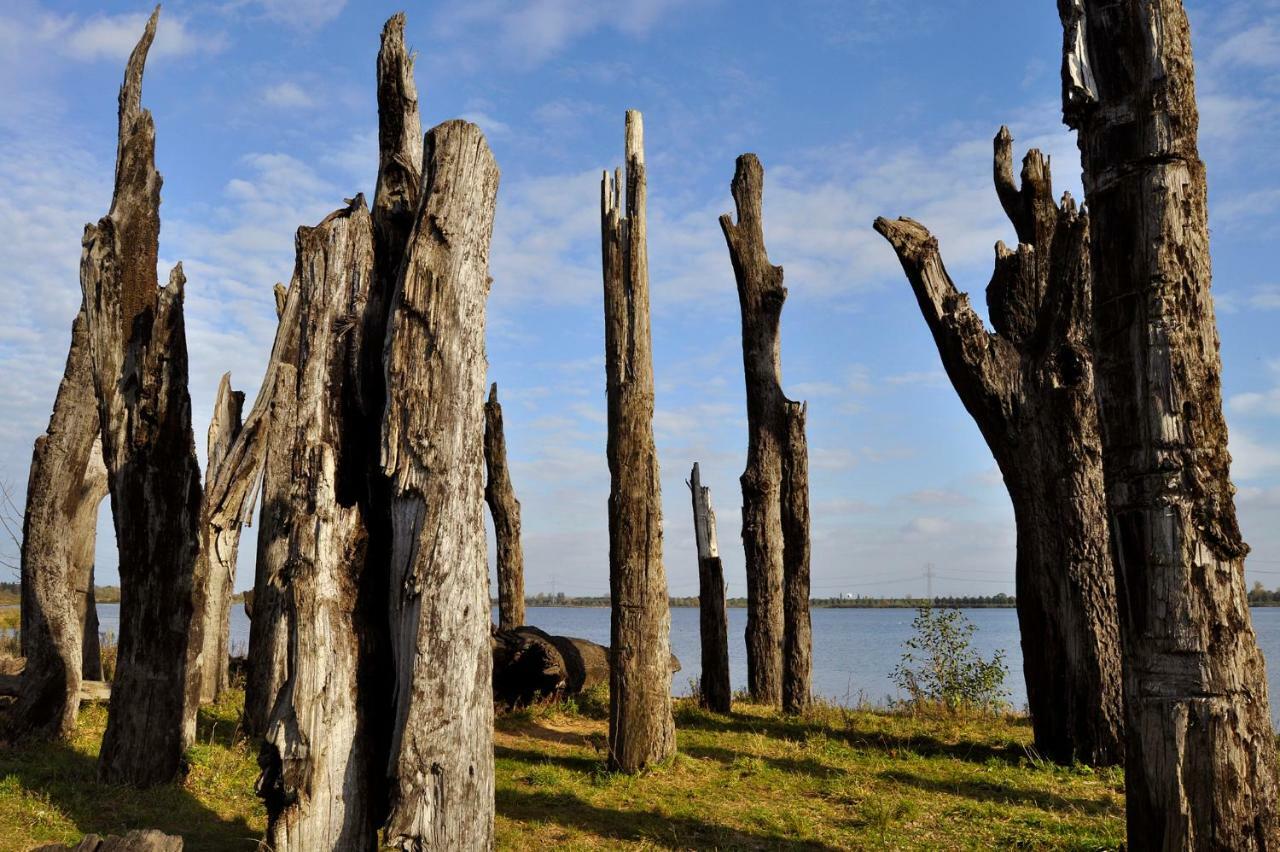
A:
835	779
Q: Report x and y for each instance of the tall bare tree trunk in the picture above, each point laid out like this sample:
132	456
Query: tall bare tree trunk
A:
62	481
641	729
317	758
441	768
797	648
1201	749
760	295
84	538
138	349
713	623
505	509
1030	389
268	623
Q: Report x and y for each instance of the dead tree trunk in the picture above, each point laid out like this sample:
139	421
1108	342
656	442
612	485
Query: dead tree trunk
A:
713	622
139	355
237	453
268	624
505	510
219	547
84	539
797	649
1030	389
317	759
60	485
441	769
760	295
1201	749
641	729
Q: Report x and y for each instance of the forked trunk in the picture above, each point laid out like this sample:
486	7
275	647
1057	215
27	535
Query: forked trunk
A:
441	766
641	730
138	348
505	510
1030	389
713	623
1201	749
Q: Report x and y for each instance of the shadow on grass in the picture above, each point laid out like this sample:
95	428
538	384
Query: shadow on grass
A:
68	779
531	729
798	728
668	831
728	757
1002	793
574	763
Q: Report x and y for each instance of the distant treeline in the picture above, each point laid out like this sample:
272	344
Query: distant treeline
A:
970	602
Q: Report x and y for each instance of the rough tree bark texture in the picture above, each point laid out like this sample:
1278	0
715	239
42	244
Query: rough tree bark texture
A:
713	622
1201	750
237	452
797	646
441	767
641	730
84	540
317	760
760	295
268	622
61	484
138	350
505	510
1030	389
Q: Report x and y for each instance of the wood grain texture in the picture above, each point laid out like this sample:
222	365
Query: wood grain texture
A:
1030	388
797	643
1201	750
441	765
641	730
505	511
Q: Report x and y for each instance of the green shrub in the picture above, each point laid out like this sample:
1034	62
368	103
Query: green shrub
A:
941	668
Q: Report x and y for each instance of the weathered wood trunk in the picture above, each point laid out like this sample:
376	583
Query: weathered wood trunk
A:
713	622
797	648
505	510
84	538
62	482
138	349
441	767
760	295
268	621
317	759
218	547
1201	750
1030	389
641	730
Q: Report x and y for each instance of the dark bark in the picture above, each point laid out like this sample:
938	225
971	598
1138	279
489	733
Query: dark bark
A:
321	797
1029	387
641	730
797	649
505	510
146	840
1201	751
64	488
441	766
713	622
139	361
760	296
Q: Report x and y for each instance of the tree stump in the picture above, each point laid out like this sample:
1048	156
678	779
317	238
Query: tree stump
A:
641	730
713	622
1201	756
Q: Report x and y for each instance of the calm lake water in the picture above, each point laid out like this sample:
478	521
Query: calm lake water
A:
854	650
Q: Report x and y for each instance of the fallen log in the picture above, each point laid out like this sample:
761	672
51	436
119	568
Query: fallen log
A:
146	840
90	690
530	664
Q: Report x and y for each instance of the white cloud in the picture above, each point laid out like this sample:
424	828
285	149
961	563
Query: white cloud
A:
113	37
299	14
1250	458
287	95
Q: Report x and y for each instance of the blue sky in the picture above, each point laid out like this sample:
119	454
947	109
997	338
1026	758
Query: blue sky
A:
266	120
